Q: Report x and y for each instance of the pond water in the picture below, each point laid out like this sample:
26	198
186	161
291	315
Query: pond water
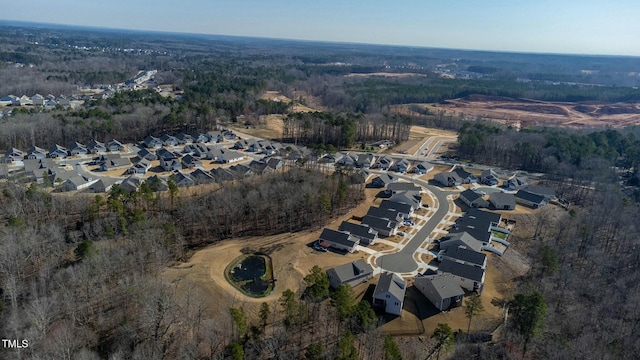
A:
248	275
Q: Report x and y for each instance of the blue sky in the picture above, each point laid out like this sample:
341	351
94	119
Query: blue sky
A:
608	27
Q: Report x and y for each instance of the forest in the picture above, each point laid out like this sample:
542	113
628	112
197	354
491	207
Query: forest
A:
81	276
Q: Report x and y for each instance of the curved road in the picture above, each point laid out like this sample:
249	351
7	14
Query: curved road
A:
402	261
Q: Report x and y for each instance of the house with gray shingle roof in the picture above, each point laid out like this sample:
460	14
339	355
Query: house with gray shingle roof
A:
473	199
36	153
442	290
468	277
152	142
366	234
383	180
339	240
502	201
115	146
96	147
75	148
383	226
389	293
351	274
529	199
168	140
191	162
14	155
58	152
464	255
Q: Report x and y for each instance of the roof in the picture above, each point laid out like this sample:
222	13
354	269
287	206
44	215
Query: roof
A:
500	198
386	179
383	213
462	173
403	186
462	270
362	231
338	237
377	223
405	198
352	270
400	207
540	190
444	284
460	239
531	197
470	195
390	283
477	223
465	254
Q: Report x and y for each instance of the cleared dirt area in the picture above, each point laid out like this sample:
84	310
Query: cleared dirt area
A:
524	112
386	74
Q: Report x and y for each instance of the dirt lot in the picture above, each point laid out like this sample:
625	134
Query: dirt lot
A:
522	112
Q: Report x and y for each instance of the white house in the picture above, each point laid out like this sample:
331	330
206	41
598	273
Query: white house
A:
389	293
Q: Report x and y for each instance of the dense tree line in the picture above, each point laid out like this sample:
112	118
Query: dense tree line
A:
343	131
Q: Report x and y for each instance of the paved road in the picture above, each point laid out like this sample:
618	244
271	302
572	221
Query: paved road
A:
402	261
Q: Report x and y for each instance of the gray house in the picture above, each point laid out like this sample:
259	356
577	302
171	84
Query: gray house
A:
422	168
442	290
350	274
473	199
113	164
96	147
14	155
168	140
405	209
147	155
366	234
464	255
182	180
469	277
152	142
489	177
389	214
36	153
389	293
398	187
75	148
190	162
339	240
115	146
531	200
58	152
202	177
502	201
385	227
383	180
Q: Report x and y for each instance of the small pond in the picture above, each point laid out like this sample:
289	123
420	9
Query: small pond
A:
252	274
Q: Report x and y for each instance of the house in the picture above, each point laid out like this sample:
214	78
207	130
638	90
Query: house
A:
351	274
78	182
115	146
408	198
448	179
366	234
516	182
114	164
260	167
224	156
36	153
405	209
468	277
347	160
228	135
422	168
168	140
58	152
473	199
50	104
242	171
222	174
502	201
202	177
96	147
460	239
489	177
184	138
385	214
383	226
144	153
389	293
75	148
339	240
531	200
383	180
199	138
464	255
182	180
479	224
384	162
441	290
130	184
401	165
331	158
103	185
152	142
467	177
197	150
14	155
399	187
171	164
364	161
212	136
190	162
547	192
157	183
140	168
37	100
275	163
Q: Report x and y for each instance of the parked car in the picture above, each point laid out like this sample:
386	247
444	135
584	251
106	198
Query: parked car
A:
317	246
409	222
400	233
425	205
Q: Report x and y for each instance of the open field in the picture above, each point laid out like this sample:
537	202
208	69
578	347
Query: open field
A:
523	112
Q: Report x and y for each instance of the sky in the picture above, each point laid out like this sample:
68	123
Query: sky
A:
602	27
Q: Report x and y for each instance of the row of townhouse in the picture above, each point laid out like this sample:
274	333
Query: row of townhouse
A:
60	152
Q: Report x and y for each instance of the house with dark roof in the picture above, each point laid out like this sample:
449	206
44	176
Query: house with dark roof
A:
467	177
114	164
339	240
460	239
146	154
36	153
489	177
152	142
516	182
547	192
398	187
171	164
260	167
96	147
422	168
384	162
464	255
473	199
200	138
182	180
365	161
78	182
58	152
401	165
348	160
389	293
224	156
14	155
115	145
469	277
169	140
531	200
130	184
448	179
383	226
191	162
442	290
366	234
242	171
157	183
202	177
479	224
405	209
385	214
407	198
222	174
502	201
351	274
383	180
75	148
140	168
103	185
184	138
275	163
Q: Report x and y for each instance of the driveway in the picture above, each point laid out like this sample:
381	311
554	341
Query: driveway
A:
402	261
